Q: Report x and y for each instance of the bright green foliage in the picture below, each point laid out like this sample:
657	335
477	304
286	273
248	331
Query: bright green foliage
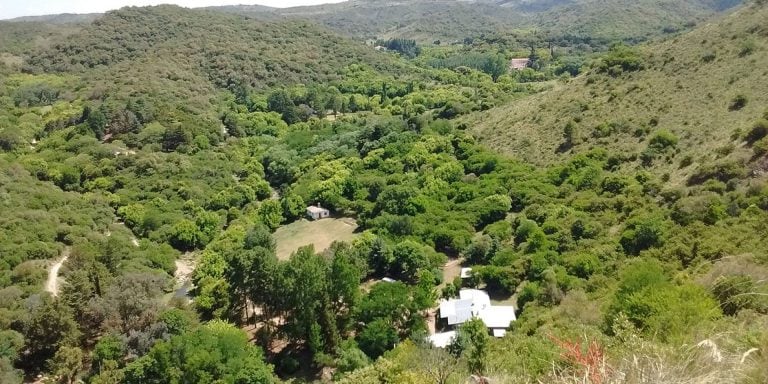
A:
271	214
472	342
109	348
229	133
657	306
293	206
215	353
186	235
393	304
351	357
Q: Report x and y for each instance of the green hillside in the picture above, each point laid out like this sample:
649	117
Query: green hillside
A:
450	20
626	20
223	48
686	85
616	199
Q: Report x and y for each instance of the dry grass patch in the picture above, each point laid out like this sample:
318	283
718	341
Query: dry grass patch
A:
320	233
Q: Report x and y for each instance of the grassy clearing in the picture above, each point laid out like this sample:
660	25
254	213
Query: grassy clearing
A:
320	233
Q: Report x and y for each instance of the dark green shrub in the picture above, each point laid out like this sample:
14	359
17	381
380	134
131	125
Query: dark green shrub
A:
759	130
722	170
738	102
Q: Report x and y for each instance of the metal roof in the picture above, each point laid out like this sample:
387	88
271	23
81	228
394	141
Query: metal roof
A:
497	316
442	340
315	209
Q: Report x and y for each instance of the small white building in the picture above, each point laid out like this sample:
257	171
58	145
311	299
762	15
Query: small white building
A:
317	213
466	273
473	303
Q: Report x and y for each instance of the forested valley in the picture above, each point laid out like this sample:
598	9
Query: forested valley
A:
158	166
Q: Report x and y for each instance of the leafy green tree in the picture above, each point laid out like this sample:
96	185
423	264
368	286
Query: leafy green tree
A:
49	327
212	297
11	343
350	357
176	137
280	101
344	277
472	341
293	206
408	258
214	353
67	364
377	337
108	348
185	235
271	214
393	302
96	121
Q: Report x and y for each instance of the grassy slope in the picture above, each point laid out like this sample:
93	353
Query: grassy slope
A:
423	20
626	20
449	20
686	95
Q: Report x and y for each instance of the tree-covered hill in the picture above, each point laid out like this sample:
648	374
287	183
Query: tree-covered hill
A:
149	159
175	60
226	49
450	20
705	90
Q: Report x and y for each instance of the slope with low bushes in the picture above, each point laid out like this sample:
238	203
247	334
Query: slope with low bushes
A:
669	105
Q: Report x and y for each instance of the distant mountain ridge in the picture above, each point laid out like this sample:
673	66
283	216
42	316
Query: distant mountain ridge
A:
454	20
61	18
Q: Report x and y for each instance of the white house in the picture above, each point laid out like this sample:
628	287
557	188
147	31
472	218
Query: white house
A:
316	213
473	303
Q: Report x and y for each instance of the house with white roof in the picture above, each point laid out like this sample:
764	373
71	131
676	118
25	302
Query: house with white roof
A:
317	212
473	303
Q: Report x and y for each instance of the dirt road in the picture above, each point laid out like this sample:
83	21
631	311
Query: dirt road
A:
52	285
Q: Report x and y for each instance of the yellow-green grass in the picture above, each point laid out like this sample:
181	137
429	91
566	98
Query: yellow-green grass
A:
687	87
320	233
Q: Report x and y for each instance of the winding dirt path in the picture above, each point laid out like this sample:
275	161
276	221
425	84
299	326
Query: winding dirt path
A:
52	285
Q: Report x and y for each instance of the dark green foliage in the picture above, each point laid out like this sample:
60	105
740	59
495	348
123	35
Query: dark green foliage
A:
405	47
377	337
642	233
737	293
492	64
758	131
738	102
48	327
620	59
723	170
216	352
